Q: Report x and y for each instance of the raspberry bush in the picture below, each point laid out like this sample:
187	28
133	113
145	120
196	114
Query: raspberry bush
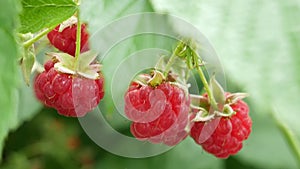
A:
210	126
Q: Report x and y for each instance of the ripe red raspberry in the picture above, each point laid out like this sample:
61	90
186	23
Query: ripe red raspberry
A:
65	40
70	96
224	136
159	114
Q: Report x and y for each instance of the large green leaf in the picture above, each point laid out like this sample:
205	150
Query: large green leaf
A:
39	14
9	75
258	42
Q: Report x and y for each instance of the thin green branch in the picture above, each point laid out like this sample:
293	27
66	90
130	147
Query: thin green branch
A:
289	137
204	81
184	50
28	43
207	88
170	63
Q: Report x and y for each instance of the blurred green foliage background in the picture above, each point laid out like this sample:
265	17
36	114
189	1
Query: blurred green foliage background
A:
258	44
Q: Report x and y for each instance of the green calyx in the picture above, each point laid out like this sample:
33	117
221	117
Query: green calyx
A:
204	112
154	79
157	78
85	67
233	98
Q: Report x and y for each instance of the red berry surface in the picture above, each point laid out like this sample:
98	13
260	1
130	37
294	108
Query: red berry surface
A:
70	96
224	136
159	114
65	40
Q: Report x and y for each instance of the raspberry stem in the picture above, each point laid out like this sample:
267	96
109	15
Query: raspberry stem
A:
170	63
192	58
78	40
185	50
28	43
207	88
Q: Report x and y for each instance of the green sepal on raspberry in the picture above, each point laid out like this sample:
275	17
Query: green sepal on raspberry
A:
86	65
217	91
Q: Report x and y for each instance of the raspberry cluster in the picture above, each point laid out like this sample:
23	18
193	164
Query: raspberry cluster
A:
72	91
158	104
162	110
162	114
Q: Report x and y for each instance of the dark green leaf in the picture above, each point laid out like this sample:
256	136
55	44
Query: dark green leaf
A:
39	14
